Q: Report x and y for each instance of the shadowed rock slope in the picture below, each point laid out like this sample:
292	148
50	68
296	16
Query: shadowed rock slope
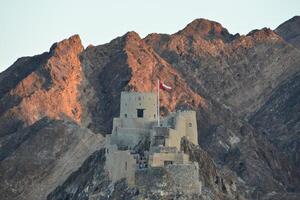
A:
279	121
290	31
36	159
226	78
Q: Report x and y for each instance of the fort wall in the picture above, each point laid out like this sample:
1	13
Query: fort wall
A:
163	159
120	164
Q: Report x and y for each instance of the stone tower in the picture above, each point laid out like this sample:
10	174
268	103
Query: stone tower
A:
138	105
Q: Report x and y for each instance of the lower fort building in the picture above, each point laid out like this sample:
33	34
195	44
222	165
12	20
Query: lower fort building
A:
139	144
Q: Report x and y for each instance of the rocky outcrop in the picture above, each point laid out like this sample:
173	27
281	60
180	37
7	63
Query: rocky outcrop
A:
35	160
218	182
40	86
208	30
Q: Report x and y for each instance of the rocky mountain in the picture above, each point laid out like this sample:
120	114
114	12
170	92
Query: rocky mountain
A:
56	107
240	72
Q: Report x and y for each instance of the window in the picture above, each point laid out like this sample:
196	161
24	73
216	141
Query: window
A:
125	115
140	113
168	162
126	165
190	125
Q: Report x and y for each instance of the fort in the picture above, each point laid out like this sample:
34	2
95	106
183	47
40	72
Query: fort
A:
139	144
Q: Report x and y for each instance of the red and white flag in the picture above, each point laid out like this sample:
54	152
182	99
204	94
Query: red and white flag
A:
164	86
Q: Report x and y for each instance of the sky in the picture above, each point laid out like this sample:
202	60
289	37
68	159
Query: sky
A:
30	27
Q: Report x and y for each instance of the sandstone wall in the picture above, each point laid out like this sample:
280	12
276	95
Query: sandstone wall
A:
132	101
120	164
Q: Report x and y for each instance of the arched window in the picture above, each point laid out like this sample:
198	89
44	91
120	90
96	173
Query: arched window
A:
190	124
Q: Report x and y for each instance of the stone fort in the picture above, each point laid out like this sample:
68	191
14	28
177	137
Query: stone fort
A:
138	143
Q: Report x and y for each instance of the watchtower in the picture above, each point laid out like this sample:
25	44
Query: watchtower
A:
138	105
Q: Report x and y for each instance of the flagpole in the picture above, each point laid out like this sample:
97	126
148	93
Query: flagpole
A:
158	103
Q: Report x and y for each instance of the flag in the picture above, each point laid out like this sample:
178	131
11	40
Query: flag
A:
164	86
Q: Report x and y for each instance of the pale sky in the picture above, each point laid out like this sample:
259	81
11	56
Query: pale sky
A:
30	27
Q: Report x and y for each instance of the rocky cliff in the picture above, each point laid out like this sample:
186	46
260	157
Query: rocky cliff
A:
244	89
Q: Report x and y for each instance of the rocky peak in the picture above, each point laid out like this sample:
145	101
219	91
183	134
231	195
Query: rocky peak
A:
207	29
264	35
132	35
48	88
73	43
64	58
290	31
122	41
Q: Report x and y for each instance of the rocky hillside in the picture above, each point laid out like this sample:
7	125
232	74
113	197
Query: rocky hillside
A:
38	158
238	71
57	106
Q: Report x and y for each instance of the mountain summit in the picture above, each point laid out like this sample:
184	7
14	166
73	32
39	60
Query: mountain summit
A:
206	29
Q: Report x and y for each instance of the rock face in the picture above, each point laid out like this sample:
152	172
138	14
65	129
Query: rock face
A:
36	159
44	85
240	73
243	88
290	31
279	121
